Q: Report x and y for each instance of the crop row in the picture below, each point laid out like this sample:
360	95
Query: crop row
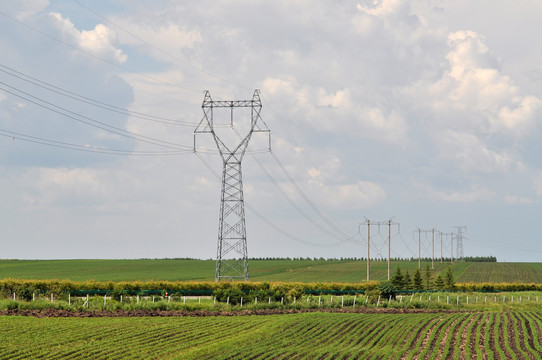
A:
506	335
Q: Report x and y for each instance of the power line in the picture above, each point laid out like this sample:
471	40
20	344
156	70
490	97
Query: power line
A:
184	62
117	65
63	145
306	198
90	101
263	218
89	121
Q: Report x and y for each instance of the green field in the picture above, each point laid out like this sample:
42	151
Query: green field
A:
260	270
302	336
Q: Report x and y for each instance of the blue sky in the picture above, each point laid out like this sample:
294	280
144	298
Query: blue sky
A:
425	111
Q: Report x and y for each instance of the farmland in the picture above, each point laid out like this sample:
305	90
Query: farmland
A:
506	335
260	270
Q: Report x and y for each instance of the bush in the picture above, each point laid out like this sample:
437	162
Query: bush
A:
387	289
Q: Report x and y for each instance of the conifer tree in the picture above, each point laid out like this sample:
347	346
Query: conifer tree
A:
449	282
407	281
397	279
428	277
417	281
439	282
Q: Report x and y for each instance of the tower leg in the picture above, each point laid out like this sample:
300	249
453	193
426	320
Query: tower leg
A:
232	255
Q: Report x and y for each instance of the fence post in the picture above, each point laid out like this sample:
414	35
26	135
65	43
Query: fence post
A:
378	301
228	300
319	298
51	297
33	296
241	301
282	300
269	302
342	301
294	299
256	300
105	299
354	301
87	302
69	298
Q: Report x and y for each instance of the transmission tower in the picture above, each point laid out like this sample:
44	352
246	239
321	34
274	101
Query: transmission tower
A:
460	254
231	253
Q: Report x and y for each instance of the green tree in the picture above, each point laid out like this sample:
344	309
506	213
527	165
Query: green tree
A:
417	281
387	289
397	279
439	282
407	281
428	277
449	282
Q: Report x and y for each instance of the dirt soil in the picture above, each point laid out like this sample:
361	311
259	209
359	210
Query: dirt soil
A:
46	313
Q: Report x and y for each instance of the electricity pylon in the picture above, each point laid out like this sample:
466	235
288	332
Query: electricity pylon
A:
460	254
231	254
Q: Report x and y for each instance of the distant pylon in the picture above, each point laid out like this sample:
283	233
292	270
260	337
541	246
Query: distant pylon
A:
460	254
232	255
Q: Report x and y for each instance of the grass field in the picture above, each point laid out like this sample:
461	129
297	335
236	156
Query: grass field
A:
510	335
260	270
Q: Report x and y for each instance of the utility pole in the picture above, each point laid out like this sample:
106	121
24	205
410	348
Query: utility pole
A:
440	247
379	223
389	247
232	256
433	246
452	248
419	248
368	247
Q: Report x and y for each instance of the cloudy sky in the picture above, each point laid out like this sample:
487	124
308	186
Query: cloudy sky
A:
427	111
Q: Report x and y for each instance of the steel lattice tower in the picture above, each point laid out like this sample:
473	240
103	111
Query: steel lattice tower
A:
231	253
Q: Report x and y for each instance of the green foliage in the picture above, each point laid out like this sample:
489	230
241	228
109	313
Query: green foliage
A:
417	281
373	296
397	279
449	282
439	282
407	281
387	289
428	277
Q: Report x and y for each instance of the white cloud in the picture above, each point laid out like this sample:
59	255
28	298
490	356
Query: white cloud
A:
359	195
513	199
537	183
62	187
473	94
167	40
471	155
100	41
335	112
476	193
23	9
